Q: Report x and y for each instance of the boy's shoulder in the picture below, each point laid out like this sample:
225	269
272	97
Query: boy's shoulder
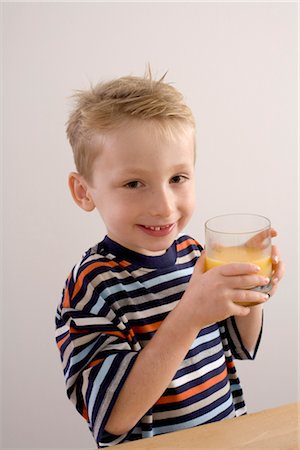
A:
94	271
187	242
98	259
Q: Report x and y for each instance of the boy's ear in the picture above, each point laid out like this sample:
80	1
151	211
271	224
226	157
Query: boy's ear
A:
80	192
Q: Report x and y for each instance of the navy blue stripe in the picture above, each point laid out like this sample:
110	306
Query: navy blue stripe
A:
191	400
194	414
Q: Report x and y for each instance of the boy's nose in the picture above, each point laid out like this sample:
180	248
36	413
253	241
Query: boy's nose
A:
161	203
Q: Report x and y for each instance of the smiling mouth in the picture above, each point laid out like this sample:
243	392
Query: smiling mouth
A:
157	230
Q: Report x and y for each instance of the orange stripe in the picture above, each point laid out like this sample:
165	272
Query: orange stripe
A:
62	341
84	413
147	328
124	263
116	333
230	365
193	391
131	334
83	331
94	363
89	269
184	244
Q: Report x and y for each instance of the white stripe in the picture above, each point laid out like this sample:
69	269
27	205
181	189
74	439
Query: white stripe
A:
201	355
186	258
61	330
87	321
197	373
205	338
85	339
151	311
153	297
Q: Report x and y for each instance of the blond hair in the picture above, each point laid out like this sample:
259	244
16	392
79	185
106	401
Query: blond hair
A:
110	104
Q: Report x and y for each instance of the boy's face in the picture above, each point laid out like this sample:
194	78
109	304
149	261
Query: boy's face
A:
143	186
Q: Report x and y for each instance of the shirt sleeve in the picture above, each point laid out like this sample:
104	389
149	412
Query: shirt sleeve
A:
234	340
97	355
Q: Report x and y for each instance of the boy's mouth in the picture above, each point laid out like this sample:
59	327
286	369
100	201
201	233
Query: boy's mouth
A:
157	230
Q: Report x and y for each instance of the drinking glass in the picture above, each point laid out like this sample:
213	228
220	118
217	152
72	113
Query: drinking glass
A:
240	238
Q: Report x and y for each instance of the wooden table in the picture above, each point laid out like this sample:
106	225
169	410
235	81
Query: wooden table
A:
275	429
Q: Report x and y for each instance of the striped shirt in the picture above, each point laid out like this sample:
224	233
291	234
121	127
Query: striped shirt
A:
113	302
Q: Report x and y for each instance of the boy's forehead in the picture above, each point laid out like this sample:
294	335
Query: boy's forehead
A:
134	152
134	133
140	168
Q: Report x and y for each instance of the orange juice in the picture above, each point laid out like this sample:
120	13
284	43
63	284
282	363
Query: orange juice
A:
224	255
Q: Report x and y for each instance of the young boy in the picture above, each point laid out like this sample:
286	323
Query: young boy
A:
147	337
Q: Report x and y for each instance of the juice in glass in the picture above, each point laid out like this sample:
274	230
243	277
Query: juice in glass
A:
239	238
240	254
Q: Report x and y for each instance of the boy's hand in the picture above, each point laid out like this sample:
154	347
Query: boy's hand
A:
278	266
278	269
211	296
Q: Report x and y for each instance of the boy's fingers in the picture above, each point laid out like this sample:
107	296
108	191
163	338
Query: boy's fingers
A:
275	254
273	232
248	281
250	296
261	239
232	269
278	272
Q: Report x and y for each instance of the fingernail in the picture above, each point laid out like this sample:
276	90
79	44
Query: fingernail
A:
257	268
275	259
267	280
275	280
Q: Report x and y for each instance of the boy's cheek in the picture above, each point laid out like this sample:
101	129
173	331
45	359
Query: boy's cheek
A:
191	201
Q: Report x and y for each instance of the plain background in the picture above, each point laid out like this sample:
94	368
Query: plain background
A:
236	64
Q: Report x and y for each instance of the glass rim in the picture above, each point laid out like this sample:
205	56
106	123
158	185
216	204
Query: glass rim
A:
268	223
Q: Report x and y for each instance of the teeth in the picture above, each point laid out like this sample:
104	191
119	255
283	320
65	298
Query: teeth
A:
157	228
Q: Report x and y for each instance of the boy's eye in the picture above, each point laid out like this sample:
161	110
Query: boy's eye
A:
133	184
178	179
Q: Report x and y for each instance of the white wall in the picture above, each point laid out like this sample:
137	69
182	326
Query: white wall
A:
236	64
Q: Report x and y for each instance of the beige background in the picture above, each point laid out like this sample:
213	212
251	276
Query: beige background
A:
236	64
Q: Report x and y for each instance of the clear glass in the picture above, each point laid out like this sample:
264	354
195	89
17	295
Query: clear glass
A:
240	238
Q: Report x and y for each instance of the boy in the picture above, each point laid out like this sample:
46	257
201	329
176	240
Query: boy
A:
146	336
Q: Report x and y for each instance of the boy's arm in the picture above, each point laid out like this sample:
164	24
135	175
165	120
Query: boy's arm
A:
250	327
208	299
153	370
